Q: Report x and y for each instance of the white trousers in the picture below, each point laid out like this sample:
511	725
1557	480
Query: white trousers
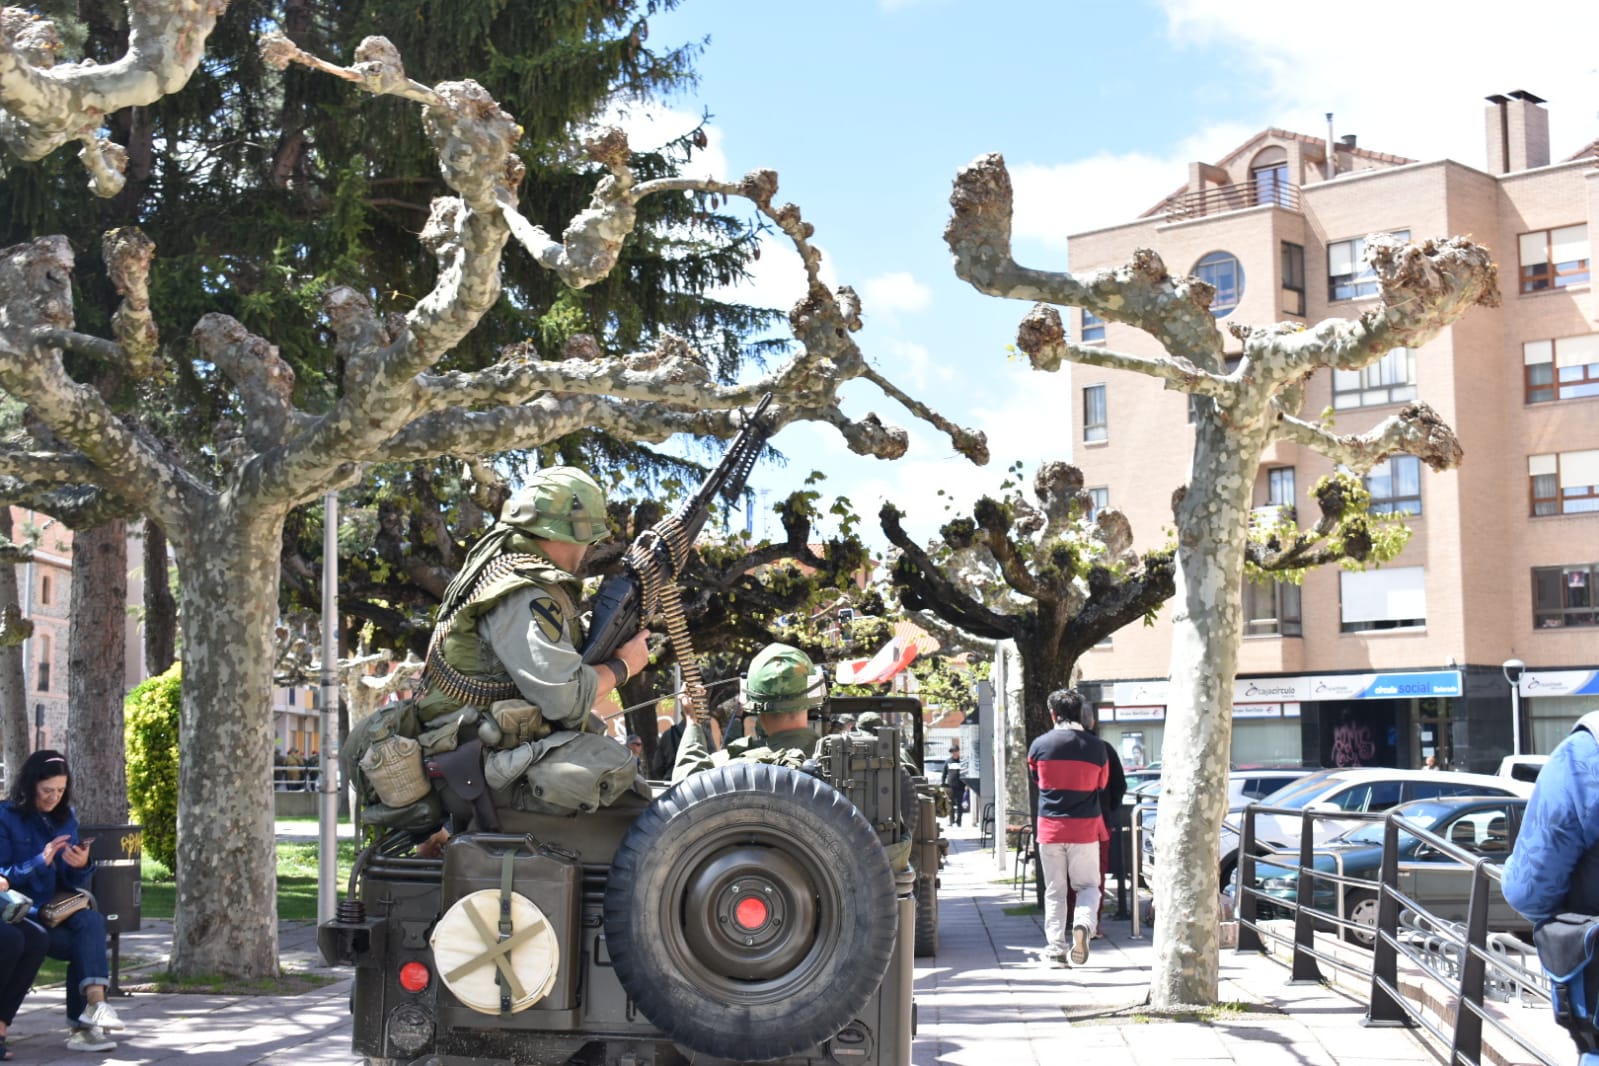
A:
1069	868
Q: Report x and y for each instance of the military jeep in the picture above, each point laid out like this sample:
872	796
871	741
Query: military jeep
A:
751	913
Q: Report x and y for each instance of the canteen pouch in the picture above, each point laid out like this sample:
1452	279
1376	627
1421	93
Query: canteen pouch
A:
393	767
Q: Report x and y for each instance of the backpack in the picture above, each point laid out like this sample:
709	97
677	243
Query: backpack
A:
1568	948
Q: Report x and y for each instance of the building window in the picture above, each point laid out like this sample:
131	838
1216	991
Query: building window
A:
42	674
1222	272
1294	278
1554	258
1095	425
1566	368
1271	184
1099	499
1395	485
1349	276
1271	608
45	589
1564	483
1280	486
1093	328
1391	379
1390	598
1564	596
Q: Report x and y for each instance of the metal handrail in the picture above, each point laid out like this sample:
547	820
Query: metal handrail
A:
1220	199
1136	824
1387	1004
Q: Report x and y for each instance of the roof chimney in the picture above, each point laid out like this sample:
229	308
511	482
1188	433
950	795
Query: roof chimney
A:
1518	132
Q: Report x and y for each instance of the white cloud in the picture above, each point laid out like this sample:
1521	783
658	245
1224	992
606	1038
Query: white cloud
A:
909	365
1053	201
893	293
1407	78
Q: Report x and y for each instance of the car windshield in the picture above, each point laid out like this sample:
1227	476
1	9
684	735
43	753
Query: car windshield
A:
1296	794
1425	814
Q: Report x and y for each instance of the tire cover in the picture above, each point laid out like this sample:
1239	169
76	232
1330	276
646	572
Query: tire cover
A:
456	942
750	912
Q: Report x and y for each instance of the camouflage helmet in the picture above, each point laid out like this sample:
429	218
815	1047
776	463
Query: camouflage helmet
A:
868	722
782	679
559	503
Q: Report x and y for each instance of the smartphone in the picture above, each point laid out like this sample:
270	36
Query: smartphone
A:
86	841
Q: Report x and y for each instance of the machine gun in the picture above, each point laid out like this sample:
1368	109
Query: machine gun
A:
655	560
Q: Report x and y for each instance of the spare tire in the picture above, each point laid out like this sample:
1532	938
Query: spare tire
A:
750	912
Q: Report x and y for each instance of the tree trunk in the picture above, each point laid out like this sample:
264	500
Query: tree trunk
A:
160	606
14	724
1213	522
97	673
226	915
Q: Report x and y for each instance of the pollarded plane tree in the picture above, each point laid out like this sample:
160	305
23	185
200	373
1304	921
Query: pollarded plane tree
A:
1425	286
1062	578
1054	577
226	521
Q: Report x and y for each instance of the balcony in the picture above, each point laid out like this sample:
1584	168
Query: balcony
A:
1220	199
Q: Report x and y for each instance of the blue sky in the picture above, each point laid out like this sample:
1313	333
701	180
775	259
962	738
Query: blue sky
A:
867	108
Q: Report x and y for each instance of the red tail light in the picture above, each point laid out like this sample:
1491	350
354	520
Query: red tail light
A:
414	977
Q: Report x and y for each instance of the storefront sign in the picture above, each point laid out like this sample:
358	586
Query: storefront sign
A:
1140	714
1560	683
1257	710
1318	687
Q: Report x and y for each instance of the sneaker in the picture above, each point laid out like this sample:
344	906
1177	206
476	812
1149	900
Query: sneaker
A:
1054	956
90	1039
1079	945
100	1015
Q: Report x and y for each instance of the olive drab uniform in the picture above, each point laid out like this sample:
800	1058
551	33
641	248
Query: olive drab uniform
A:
504	673
791	748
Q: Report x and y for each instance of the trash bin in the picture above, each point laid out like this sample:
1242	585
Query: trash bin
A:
117	887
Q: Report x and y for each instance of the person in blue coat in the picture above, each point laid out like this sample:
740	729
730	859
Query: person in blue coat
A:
40	855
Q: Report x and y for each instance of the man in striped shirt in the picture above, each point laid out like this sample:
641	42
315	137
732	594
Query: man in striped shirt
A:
1070	766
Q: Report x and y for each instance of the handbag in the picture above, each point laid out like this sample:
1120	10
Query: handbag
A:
63	905
14	906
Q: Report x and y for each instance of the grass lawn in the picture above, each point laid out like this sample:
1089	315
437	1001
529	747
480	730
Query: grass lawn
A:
297	878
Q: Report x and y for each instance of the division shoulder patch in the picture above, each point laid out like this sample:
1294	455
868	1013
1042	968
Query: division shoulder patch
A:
547	616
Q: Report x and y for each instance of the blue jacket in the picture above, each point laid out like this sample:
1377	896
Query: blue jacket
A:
1554	868
22	841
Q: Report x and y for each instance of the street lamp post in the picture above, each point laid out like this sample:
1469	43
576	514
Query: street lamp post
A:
1513	669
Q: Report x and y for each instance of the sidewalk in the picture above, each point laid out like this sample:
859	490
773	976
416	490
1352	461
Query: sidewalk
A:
985	1000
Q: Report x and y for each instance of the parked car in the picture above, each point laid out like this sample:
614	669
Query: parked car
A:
1372	788
1522	767
1243	786
1482	825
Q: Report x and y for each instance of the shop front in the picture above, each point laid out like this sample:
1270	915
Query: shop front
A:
1554	700
1376	719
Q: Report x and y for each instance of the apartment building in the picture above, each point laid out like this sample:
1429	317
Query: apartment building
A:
1387	666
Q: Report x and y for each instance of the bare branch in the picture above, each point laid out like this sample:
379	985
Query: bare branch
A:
1042	337
128	253
1143	294
931	591
1425	287
265	383
46	105
1415	430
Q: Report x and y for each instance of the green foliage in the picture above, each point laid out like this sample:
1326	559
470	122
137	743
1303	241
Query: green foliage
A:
150	717
1349	533
943	682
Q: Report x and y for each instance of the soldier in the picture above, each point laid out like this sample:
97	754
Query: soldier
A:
523	627
783	687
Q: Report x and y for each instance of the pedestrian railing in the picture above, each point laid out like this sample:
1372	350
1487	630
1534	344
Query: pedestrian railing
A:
1473	965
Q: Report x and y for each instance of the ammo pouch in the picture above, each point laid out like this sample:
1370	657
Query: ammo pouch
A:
1567	946
565	773
465	795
